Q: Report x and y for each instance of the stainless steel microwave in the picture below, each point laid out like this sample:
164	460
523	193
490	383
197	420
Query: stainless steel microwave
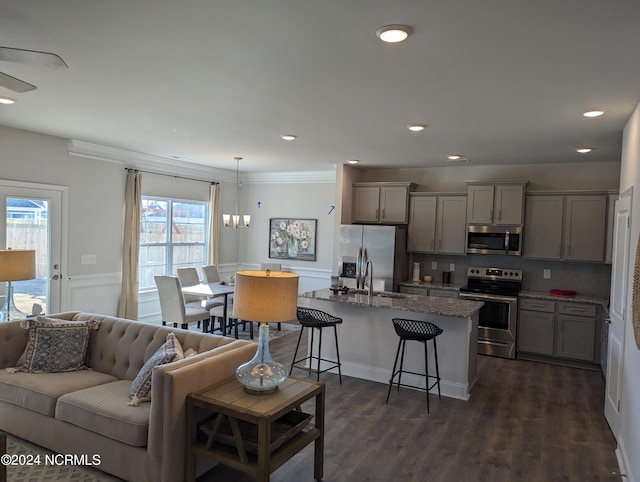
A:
494	240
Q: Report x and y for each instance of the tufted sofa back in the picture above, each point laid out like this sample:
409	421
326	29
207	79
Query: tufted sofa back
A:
120	347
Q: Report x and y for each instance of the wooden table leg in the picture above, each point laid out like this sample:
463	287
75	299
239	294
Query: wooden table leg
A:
264	450
190	458
318	459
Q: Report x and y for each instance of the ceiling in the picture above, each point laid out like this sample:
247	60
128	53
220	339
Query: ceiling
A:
499	82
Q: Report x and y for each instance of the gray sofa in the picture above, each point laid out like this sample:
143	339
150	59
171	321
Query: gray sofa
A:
86	411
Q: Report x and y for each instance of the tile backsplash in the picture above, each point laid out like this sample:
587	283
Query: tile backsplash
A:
589	279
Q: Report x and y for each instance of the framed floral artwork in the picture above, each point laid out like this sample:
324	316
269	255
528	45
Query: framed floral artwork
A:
292	239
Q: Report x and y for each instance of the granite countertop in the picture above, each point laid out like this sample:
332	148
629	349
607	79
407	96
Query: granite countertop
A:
542	295
432	305
432	284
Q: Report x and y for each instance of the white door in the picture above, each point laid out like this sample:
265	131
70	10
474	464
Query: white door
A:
618	311
31	218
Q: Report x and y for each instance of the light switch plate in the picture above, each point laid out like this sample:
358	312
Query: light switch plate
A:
546	274
452	267
88	259
434	265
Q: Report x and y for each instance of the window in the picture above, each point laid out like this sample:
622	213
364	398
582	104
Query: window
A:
173	234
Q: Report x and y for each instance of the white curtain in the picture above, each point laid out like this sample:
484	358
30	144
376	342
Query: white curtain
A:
214	222
128	305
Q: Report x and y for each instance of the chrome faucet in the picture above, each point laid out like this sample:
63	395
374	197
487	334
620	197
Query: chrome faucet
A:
368	277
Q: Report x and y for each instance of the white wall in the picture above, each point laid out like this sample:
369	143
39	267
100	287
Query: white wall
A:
307	199
629	442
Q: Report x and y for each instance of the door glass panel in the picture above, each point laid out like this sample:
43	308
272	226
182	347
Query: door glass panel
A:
494	315
27	227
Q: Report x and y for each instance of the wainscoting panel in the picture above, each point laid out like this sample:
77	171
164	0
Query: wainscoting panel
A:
92	293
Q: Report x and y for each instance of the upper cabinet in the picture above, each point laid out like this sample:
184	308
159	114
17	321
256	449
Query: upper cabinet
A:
569	227
381	202
495	203
437	223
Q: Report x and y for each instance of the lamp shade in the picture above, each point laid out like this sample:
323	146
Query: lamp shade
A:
17	264
266	296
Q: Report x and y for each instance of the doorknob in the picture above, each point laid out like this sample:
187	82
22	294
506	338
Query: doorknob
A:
55	277
607	320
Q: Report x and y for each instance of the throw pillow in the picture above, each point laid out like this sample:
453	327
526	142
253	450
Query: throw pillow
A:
140	390
57	347
42	319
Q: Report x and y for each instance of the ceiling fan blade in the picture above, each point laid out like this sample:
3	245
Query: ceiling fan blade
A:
14	84
22	56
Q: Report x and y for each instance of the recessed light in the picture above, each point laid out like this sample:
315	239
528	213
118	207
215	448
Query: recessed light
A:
353	161
416	127
454	157
393	33
584	150
288	137
7	100
593	113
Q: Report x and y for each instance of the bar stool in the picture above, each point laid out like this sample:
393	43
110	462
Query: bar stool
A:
421	331
310	318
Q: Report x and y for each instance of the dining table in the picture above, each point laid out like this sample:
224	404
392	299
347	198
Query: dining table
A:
213	290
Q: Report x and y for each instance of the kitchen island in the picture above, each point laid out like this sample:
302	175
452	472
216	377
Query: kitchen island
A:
368	341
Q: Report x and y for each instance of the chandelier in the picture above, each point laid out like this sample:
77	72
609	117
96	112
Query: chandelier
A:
233	220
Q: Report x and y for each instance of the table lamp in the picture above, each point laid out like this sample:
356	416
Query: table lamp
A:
15	265
265	297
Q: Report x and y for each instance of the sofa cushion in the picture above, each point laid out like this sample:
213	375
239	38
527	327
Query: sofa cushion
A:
140	390
57	347
103	409
40	391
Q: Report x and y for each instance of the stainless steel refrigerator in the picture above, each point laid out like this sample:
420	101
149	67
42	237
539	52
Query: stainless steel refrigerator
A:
385	246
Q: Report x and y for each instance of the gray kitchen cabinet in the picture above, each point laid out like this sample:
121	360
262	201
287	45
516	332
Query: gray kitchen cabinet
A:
426	291
557	330
437	223
543	227
415	290
495	203
536	332
569	227
381	203
443	293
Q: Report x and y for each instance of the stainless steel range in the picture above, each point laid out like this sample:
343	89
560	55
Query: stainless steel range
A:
498	288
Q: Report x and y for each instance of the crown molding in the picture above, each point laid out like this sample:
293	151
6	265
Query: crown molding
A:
148	162
163	165
294	177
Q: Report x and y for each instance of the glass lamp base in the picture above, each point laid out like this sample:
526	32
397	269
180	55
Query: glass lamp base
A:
262	374
9	311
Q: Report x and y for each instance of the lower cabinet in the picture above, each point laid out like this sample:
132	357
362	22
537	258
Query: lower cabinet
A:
425	291
561	330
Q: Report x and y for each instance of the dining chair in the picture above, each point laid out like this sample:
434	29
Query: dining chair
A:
210	274
189	277
172	305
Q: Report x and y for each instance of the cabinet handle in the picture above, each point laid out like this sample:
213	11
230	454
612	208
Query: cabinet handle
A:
558	252
491	215
440	244
383	214
499	214
578	310
536	305
377	213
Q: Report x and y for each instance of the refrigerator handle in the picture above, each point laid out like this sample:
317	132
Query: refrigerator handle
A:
365	260
358	267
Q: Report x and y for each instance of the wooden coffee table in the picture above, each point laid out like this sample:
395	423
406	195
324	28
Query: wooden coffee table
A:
255	441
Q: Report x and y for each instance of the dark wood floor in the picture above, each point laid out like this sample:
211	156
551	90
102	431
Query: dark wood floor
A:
525	421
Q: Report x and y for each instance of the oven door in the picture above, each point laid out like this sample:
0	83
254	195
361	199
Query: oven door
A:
497	324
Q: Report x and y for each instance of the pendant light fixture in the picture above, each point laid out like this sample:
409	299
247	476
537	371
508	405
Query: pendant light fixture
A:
233	220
